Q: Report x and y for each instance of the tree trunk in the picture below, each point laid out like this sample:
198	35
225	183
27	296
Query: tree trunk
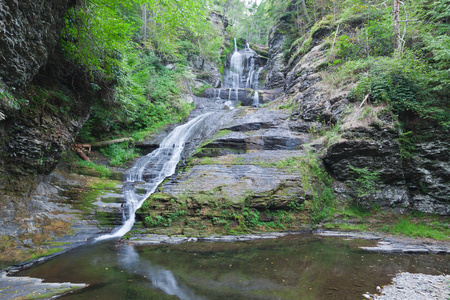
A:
314	10
306	11
144	21
334	11
111	142
397	41
79	150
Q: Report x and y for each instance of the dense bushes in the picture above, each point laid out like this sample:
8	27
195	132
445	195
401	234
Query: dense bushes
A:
414	78
409	85
125	45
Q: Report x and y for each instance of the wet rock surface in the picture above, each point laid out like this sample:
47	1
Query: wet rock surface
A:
241	169
260	129
33	138
34	147
158	239
275	64
264	139
24	287
392	244
233	182
57	217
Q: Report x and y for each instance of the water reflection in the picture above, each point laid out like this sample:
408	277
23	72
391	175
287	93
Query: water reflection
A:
292	267
160	277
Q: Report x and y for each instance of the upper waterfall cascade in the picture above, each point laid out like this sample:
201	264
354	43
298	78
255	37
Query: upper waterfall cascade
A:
243	72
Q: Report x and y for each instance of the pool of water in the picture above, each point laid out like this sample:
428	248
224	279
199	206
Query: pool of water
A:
292	267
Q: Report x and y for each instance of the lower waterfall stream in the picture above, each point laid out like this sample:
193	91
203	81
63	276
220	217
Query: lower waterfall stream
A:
163	162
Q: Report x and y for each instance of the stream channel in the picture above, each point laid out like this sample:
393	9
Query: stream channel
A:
296	266
292	267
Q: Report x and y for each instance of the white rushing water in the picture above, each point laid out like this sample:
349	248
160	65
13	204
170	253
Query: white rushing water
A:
236	66
243	73
159	164
256	99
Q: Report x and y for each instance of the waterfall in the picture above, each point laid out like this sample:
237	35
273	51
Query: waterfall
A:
242	73
236	69
160	163
236	66
256	99
255	85
250	74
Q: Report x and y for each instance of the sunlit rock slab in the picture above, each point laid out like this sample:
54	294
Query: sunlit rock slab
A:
30	288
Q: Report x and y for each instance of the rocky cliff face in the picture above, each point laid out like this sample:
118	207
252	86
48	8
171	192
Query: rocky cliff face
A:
30	31
205	70
275	64
45	100
365	152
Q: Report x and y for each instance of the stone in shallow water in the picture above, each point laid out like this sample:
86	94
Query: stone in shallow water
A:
30	288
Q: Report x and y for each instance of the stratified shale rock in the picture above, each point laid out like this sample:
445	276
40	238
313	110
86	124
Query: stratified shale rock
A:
29	32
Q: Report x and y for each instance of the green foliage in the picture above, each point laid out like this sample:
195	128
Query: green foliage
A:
317	181
100	36
345	46
407	146
365	30
410	86
90	168
40	101
45	252
176	22
227	50
120	153
356	211
295	206
166	220
148	96
304	48
366	180
415	81
140	135
95	33
199	90
405	226
99	31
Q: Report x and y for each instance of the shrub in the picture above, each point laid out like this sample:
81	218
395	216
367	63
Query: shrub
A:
120	153
366	180
316	179
404	82
89	168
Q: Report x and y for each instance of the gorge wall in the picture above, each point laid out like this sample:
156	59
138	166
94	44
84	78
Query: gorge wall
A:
30	32
369	137
44	96
45	100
